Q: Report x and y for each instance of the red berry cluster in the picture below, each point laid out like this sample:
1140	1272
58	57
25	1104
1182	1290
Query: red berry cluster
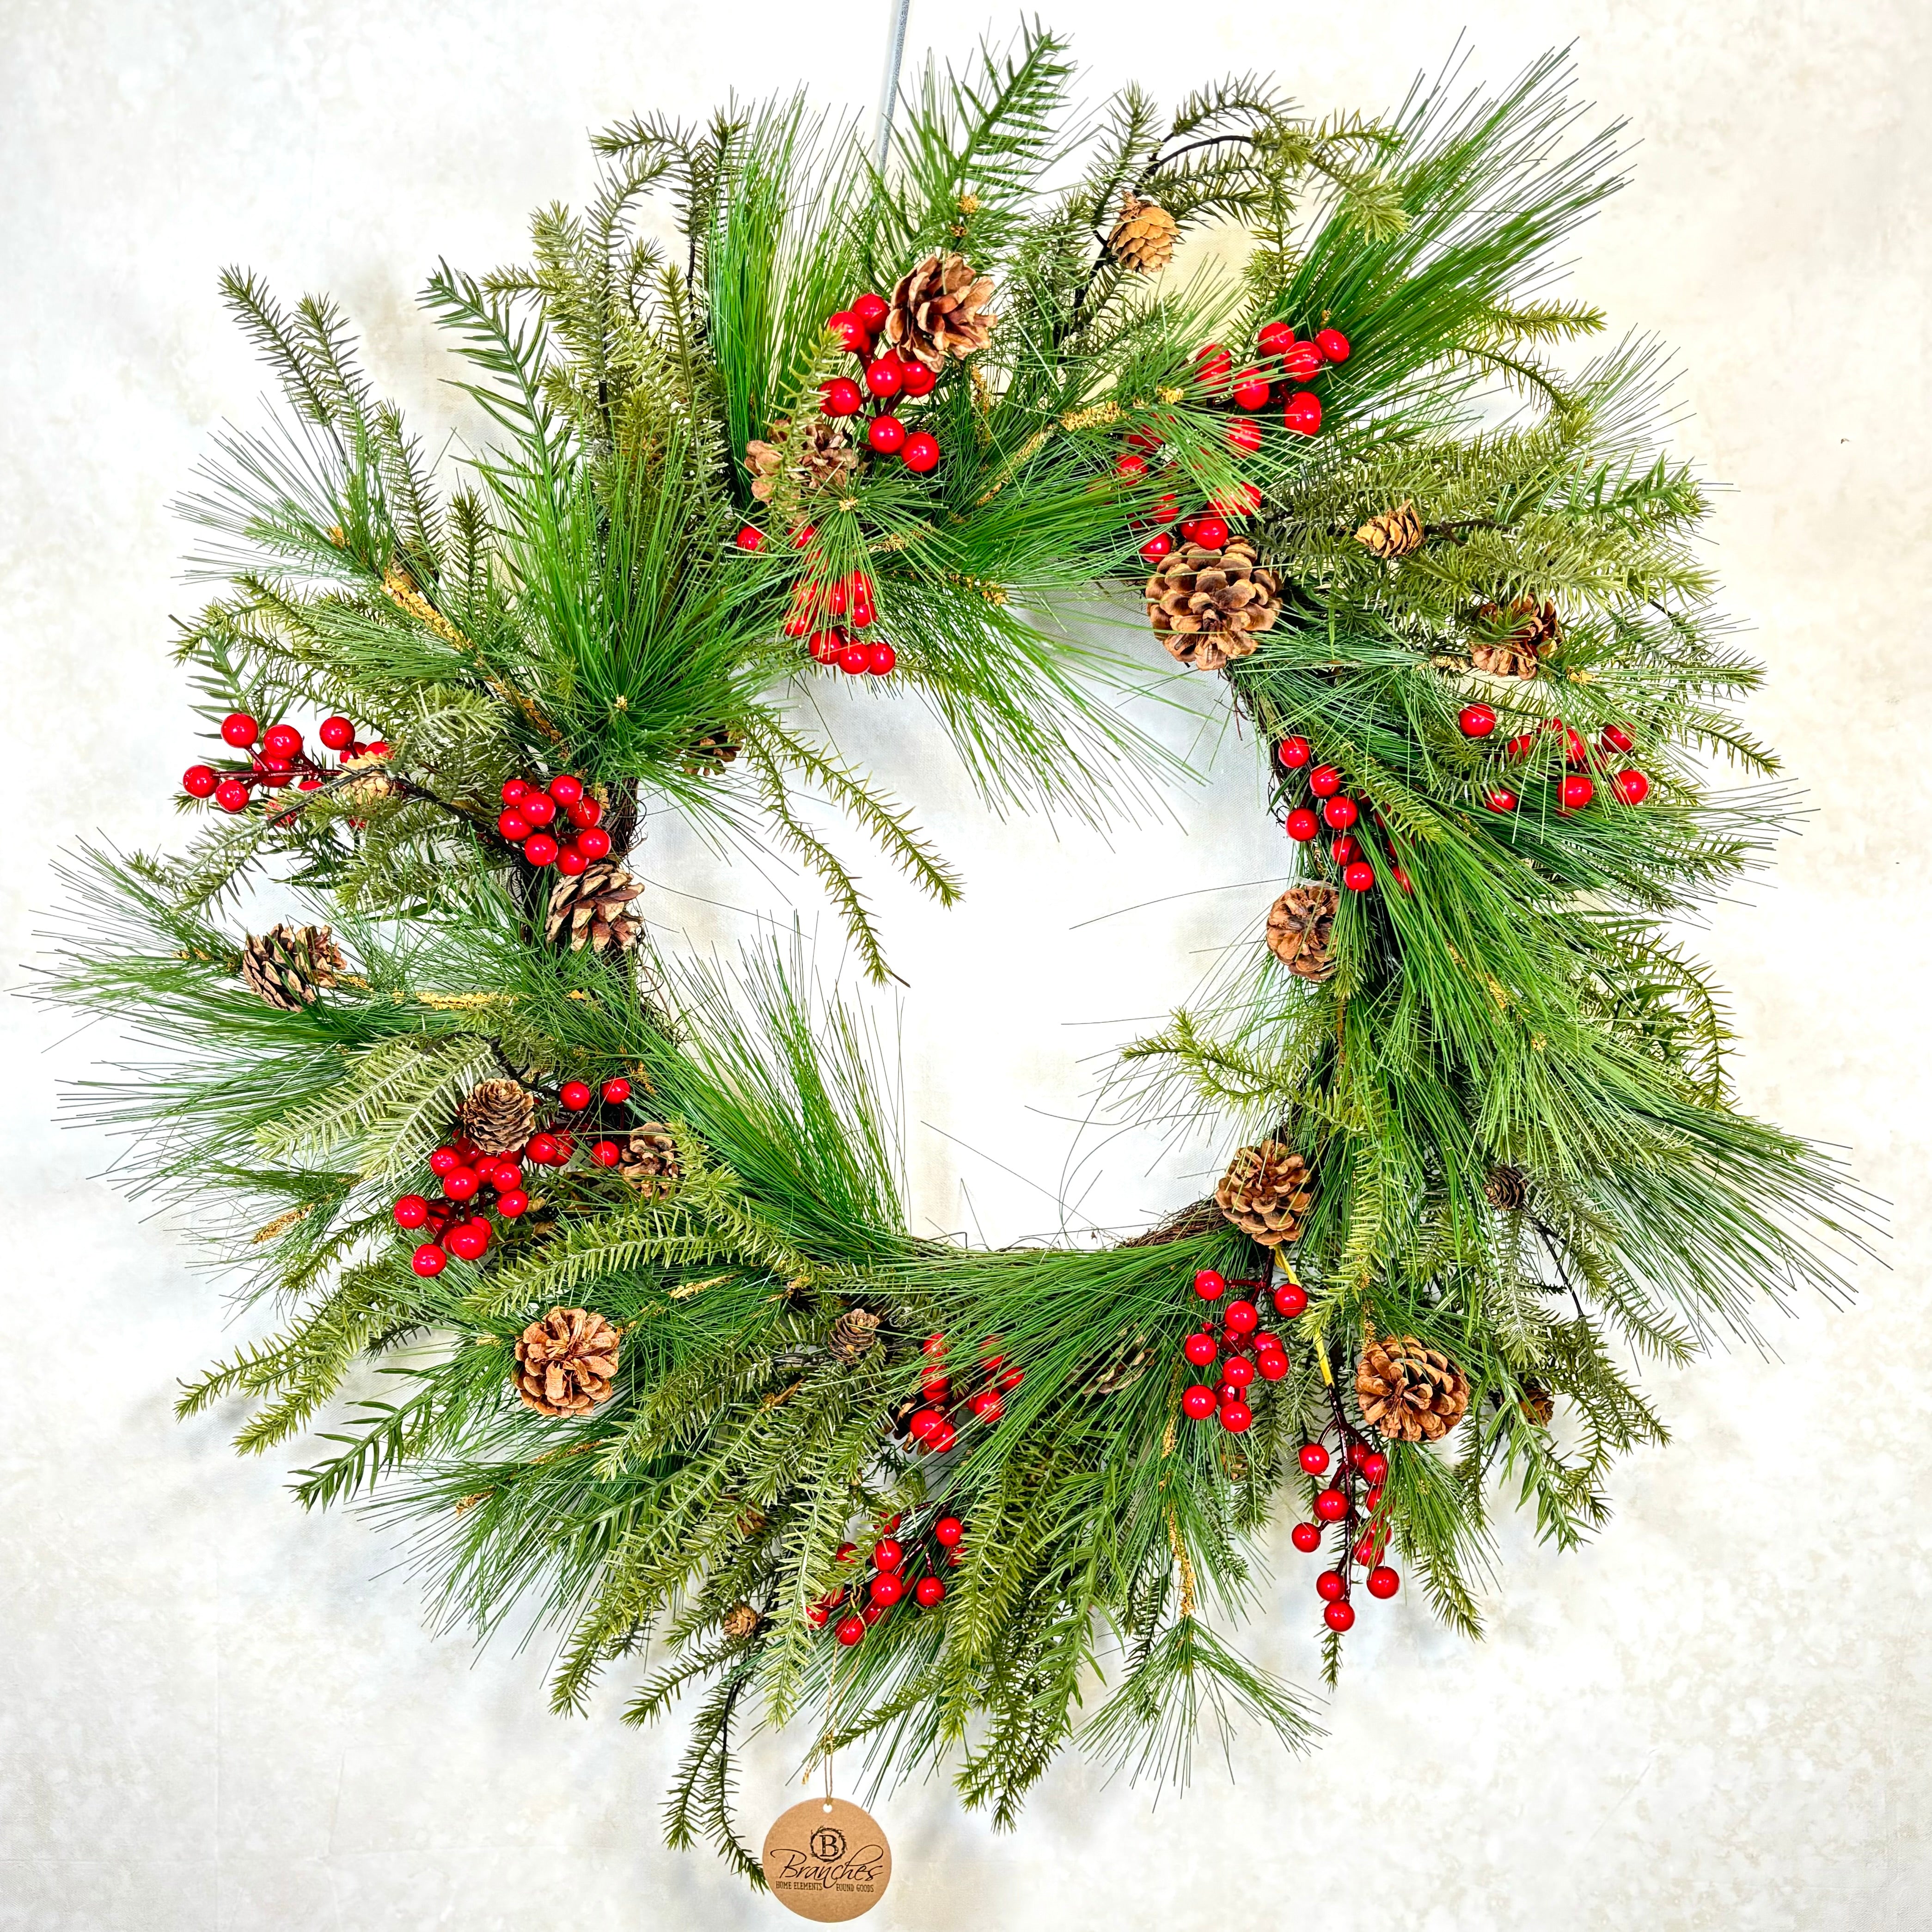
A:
935	1425
826	612
1283	363
893	1573
1327	805
1363	1538
1250	1349
275	759
452	1225
884	379
1576	788
530	808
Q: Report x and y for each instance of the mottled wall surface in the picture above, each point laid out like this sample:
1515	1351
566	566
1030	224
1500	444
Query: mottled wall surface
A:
219	1713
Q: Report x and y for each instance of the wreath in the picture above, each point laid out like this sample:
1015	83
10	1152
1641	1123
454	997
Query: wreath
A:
666	1368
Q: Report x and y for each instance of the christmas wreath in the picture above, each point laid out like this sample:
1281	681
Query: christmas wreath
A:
666	1368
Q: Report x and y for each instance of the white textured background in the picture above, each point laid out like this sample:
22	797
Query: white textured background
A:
218	1714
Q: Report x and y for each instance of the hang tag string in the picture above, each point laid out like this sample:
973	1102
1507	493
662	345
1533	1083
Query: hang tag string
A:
888	86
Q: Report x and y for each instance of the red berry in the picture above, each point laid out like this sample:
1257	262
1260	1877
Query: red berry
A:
512	826
885	377
515	790
540	848
199	781
1290	1299
921	452
1329	1585
1301	361
870	310
1210	532
947	1531
851	331
925	1422
1307	1537
927	1590
565	789
468	1240
1325	782
1209	1284
337	733
377	748
1198	1402
459	1182
920	380
1129	465
886	434
1368	1548
1273	1364
1237	1416
1252	392
1212	362
1344	850
411	1211
1303	413
843	396
616	1091
1302	824
1477	721
1372	1500
539	808
880	658
1333	343
593	842
886	1588
886	1555
1294	752
511	1202
1200	1349
1010	1380
1340	1616
986	1405
1383	1582
1522	745
1359	876
1340	813
284	741
1498	799
1576	792
935	1388
942	1438
1632	787
1274	338
232	795
1314	1458
1239	1373
544	1149
855	660
849	1630
1616	739
429	1260
1157	547
575	1095
1331	1505
444	1160
1244	433
571	863
239	730
1241	1317
1374	1467
1574	749
750	537
871	1613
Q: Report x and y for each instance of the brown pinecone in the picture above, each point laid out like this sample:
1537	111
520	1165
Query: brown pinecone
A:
1394	533
1300	924
1409	1391
852	1334
1206	605
591	909
1143	237
1517	641
939	309
1265	1192
740	1621
1508	1187
288	964
650	1163
565	1362
1538	1403
1125	1370
498	1116
710	754
822	456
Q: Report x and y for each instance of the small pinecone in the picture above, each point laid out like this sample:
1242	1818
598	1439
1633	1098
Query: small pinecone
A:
565	1362
1529	633
740	1621
1409	1391
710	754
1265	1192
852	1334
822	456
1206	605
1507	1188
1538	1403
593	908
498	1116
1124	1372
1394	533
1300	924
1143	238
369	790
288	964
938	310
650	1163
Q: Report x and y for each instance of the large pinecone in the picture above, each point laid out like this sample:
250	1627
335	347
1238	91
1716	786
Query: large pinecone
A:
650	1162
1409	1391
1207	605
565	1362
1301	925
1394	533
1143	238
593	908
939	309
1514	642
852	1334
499	1115
288	964
1265	1192
822	456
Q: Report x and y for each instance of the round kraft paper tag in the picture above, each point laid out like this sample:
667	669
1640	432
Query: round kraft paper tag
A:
827	1861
